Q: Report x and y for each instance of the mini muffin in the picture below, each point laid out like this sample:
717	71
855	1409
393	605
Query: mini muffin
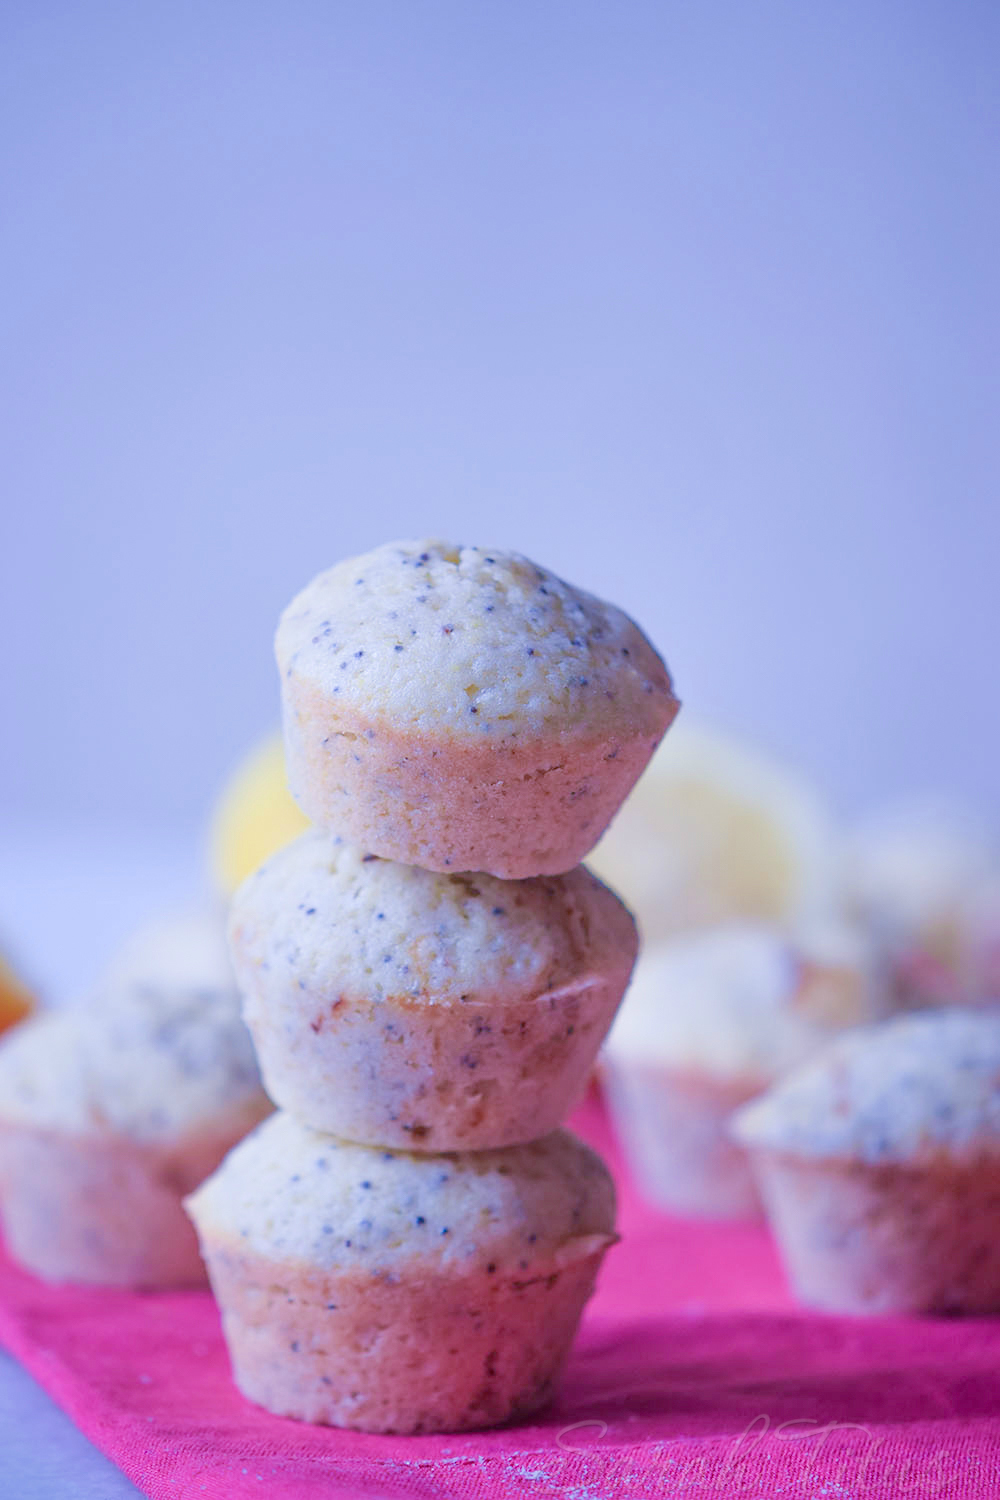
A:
401	1293
709	1022
463	709
399	1007
879	1162
109	1113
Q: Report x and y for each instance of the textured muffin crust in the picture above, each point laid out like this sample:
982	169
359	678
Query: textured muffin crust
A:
464	709
913	1090
396	1006
292	1193
398	1292
436	638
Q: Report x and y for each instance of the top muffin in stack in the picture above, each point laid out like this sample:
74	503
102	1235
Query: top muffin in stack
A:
460	708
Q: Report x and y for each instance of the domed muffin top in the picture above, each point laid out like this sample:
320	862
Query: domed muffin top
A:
291	1193
323	913
159	1053
914	1089
471	641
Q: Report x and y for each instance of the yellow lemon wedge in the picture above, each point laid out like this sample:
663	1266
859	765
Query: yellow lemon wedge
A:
254	816
714	832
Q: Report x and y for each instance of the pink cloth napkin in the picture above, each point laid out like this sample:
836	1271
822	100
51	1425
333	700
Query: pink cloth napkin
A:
694	1375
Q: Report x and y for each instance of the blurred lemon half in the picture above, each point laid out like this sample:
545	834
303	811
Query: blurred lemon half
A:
714	832
255	816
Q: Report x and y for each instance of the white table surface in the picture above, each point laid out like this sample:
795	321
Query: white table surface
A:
66	898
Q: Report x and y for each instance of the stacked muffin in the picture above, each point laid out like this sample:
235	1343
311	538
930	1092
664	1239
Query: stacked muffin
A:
428	974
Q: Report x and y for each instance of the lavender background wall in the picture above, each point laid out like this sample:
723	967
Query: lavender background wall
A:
696	303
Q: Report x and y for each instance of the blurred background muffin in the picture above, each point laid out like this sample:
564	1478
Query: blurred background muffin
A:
113	1108
879	1162
710	1020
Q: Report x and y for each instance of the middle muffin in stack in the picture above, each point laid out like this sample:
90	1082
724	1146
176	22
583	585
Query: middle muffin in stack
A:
408	1245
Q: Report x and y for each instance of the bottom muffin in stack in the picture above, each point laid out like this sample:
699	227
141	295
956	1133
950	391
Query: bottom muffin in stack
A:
396	1292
